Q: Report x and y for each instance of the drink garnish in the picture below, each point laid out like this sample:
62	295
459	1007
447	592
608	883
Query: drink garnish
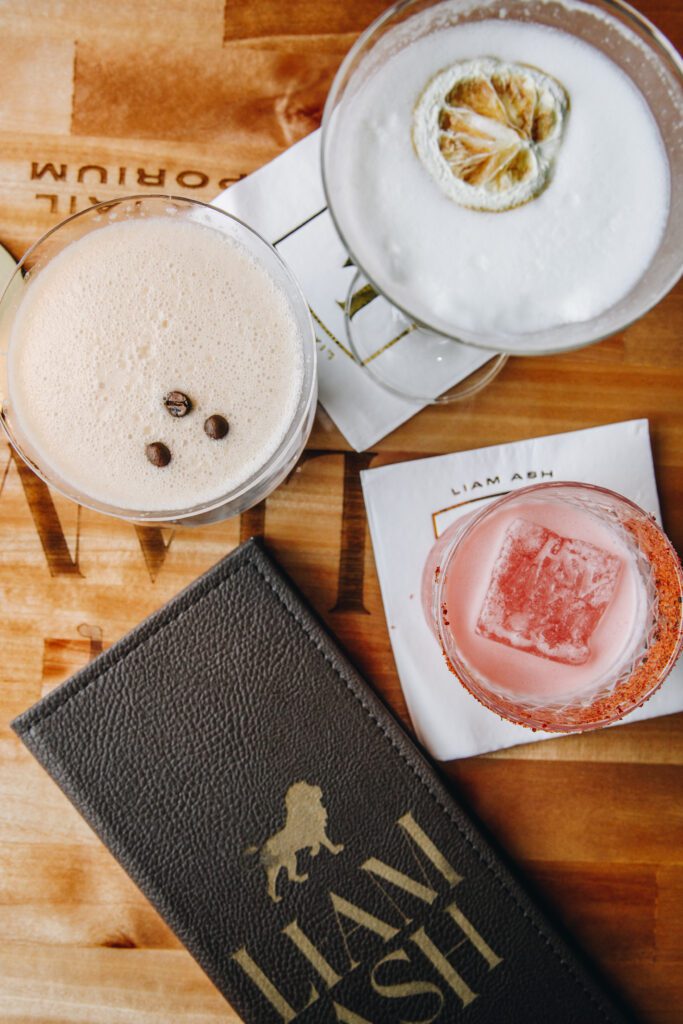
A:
216	427
177	403
158	454
488	131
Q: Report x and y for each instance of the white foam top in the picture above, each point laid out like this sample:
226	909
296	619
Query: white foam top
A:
128	313
566	256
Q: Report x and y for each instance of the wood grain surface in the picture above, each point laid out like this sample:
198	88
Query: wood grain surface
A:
100	99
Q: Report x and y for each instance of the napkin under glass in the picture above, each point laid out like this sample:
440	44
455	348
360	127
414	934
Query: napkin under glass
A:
410	504
285	202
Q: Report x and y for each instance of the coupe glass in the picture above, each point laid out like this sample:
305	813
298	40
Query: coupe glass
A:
418	358
279	465
647	658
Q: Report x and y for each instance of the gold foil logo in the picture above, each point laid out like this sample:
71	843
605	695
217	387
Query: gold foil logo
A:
305	828
340	936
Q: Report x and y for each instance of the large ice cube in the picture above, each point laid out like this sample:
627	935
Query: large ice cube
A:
547	593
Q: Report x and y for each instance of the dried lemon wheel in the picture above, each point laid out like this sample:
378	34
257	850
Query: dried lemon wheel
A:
488	131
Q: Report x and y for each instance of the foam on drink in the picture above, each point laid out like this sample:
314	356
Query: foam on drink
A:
566	255
128	313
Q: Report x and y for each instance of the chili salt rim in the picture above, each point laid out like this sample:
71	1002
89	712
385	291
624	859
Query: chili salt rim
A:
648	674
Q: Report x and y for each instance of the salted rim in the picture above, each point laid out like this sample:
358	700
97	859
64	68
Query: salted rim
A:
648	673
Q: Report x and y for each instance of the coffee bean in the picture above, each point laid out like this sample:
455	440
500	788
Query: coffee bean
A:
177	403
158	454
216	427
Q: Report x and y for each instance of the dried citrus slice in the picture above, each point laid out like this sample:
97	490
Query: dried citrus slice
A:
488	131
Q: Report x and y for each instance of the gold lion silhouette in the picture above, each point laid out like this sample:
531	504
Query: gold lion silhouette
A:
305	828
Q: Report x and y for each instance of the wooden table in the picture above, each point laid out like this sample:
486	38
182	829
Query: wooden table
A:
100	99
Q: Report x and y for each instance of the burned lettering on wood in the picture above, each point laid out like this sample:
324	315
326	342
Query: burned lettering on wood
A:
154	548
191	178
47	523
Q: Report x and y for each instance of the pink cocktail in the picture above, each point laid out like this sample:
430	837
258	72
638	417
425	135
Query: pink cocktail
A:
558	606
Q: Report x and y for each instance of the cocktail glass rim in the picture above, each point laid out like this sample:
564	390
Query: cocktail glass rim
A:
486	696
258	479
498	346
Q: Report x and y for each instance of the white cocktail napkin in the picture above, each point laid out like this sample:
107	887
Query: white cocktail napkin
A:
412	503
285	202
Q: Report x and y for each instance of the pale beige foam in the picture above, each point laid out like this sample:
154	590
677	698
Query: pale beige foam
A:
126	314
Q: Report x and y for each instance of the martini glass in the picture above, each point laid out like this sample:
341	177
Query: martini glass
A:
267	476
419	357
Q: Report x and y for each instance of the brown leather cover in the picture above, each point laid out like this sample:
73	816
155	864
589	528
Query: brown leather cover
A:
286	827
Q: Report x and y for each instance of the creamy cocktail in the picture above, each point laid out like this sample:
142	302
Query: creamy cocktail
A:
504	172
155	364
504	259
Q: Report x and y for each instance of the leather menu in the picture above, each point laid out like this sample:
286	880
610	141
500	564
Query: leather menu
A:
287	828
